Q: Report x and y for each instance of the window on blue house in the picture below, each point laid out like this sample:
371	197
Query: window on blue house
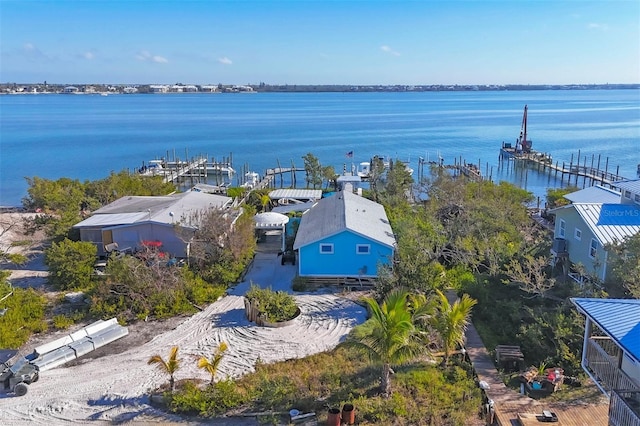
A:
561	228
593	248
363	248
326	248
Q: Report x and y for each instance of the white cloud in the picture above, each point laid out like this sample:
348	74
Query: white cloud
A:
597	27
389	50
145	55
32	52
88	55
224	60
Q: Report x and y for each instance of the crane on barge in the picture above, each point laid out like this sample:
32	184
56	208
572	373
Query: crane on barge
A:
522	143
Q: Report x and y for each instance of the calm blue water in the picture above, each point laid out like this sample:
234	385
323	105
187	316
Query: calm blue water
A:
86	137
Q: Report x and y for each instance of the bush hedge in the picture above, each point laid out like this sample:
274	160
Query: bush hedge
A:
275	306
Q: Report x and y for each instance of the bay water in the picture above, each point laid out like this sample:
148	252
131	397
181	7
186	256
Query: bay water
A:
86	137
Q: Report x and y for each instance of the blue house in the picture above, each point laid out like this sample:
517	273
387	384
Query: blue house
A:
611	354
344	235
595	218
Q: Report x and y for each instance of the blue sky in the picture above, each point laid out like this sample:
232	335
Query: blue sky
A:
320	42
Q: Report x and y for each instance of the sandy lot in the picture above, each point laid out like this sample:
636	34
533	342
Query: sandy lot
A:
112	385
34	273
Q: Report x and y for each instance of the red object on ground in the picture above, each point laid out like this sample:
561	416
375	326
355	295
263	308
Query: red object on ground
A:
148	243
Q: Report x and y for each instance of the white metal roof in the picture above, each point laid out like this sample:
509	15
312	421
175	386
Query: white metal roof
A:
606	234
594	194
296	194
618	318
160	209
349	178
102	220
345	211
632	185
270	220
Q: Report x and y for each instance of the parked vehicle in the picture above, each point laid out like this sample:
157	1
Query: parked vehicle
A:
16	373
288	256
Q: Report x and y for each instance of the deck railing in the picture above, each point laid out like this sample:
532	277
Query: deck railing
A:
602	360
621	408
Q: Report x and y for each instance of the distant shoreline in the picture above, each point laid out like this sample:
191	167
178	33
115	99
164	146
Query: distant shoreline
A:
108	89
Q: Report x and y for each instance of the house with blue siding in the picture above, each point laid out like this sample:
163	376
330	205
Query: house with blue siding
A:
131	221
344	235
611	354
595	218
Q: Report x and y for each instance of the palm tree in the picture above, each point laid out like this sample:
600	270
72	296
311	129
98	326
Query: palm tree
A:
211	365
170	366
450	321
389	336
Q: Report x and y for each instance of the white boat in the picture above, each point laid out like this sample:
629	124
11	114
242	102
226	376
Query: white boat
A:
220	169
364	168
252	179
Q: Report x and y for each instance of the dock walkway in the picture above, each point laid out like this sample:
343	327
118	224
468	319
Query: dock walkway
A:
176	171
513	408
573	171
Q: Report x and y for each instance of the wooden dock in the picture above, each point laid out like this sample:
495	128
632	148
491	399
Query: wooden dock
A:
460	167
177	171
279	172
572	172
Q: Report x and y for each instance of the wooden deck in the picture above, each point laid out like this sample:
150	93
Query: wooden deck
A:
590	415
512	408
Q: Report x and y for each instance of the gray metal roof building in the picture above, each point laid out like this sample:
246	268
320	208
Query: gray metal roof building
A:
594	194
342	211
158	209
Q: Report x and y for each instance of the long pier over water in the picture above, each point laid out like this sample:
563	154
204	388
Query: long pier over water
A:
573	171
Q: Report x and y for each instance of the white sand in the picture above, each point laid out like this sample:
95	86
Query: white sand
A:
34	273
114	388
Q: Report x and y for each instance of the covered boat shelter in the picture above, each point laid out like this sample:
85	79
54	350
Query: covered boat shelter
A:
271	221
295	196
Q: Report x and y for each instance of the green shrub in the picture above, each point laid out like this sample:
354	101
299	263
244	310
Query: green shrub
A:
25	314
224	395
273	392
211	401
70	264
17	258
62	322
200	291
132	290
300	284
275	306
189	399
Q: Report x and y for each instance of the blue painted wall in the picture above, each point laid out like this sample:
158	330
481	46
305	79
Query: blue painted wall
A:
344	261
